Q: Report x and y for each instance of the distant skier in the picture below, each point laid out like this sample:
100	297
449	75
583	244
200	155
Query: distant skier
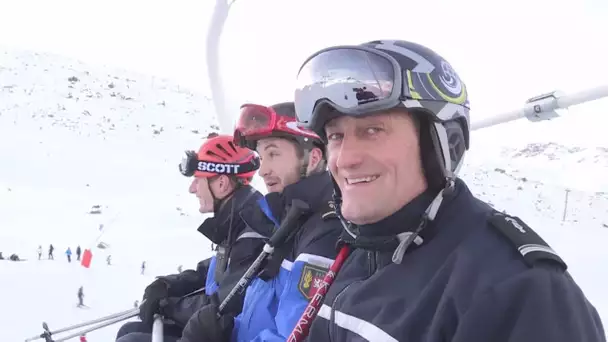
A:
1	257
136	304
80	297
83	338
51	249
68	253
143	267
78	252
39	250
109	260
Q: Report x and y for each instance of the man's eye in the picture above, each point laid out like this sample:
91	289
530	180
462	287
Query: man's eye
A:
334	136
373	130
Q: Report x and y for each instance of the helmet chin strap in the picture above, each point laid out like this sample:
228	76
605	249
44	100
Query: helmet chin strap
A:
217	202
337	198
304	164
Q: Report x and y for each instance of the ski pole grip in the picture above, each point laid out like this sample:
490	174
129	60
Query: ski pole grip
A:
297	209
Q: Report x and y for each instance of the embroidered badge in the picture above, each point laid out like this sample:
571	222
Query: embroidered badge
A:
311	279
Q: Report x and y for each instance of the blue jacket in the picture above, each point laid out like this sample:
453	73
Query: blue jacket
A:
275	301
237	247
476	276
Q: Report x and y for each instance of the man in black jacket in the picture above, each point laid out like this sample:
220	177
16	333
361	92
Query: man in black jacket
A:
293	167
429	261
222	172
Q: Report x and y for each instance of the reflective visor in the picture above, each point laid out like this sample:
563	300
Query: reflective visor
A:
256	120
351	80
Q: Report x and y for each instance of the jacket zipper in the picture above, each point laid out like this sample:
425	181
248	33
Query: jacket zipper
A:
372	267
373	264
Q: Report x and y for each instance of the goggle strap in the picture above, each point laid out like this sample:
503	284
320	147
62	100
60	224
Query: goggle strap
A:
228	168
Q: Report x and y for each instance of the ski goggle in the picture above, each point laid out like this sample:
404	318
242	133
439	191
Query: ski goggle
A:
191	164
257	121
357	80
354	80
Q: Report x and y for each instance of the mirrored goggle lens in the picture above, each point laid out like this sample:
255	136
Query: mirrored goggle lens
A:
187	167
347	77
255	120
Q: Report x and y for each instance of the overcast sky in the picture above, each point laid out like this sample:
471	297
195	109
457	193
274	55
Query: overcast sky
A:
504	51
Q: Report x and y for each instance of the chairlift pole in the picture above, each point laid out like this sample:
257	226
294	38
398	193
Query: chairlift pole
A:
543	107
214	33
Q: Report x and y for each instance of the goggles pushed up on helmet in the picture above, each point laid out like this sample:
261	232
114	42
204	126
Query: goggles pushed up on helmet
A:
357	80
257	122
191	164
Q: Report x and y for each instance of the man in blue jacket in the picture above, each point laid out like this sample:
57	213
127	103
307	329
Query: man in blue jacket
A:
223	189
429	261
293	167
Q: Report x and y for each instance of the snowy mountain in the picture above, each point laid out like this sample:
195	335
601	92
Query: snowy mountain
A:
83	146
543	180
75	136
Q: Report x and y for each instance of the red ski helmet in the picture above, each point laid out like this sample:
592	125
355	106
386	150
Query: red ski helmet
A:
219	155
257	122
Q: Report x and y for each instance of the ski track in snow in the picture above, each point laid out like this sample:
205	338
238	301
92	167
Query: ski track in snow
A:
112	138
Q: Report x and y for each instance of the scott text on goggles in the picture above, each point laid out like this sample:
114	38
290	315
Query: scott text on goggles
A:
218	167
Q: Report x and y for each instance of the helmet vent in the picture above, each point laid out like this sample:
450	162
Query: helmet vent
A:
221	148
211	153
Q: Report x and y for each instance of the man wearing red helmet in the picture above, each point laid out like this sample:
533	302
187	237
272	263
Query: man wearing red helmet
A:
222	172
293	166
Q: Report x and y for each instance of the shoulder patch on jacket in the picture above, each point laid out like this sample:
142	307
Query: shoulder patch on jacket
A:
311	279
530	245
328	211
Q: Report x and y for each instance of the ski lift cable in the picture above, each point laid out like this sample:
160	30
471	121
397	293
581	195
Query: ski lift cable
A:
543	107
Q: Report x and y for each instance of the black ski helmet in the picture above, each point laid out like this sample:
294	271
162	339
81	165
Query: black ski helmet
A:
432	92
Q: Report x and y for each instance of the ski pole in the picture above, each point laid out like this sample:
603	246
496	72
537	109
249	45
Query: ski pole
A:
280	236
300	331
79	325
195	292
158	334
96	327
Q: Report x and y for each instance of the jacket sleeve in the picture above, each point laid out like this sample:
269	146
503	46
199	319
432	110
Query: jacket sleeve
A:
537	305
245	250
315	254
189	280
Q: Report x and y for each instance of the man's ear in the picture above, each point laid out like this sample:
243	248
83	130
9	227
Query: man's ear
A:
225	184
314	158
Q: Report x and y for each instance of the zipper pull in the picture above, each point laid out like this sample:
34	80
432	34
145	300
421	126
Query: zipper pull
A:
405	239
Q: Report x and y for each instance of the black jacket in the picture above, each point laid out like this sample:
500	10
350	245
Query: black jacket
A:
477	276
236	243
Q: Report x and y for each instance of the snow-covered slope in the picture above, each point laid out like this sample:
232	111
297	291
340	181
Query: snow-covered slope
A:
510	186
84	145
74	136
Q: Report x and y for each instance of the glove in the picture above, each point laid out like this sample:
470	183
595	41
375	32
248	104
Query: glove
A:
153	295
205	326
180	309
